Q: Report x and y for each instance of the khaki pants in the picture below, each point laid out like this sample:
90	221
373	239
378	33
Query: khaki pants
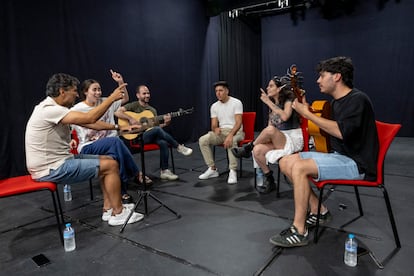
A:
211	139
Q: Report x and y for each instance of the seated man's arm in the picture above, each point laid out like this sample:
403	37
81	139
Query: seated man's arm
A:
120	113
228	142
215	126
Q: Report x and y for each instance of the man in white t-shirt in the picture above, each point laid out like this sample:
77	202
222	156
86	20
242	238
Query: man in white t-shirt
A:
226	128
47	142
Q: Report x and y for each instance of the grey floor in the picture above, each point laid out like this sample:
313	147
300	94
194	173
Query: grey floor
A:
223	230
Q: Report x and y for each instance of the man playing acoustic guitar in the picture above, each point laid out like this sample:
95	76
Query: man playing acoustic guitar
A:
156	134
354	148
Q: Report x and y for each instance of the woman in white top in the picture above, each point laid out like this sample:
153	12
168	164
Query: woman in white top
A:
106	142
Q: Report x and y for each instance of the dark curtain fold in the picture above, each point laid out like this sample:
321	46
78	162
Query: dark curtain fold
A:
158	43
240	62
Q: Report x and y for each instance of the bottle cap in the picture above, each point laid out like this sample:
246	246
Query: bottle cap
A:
351	236
68	224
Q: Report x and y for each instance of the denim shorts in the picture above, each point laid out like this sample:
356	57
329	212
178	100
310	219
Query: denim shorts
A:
80	168
333	165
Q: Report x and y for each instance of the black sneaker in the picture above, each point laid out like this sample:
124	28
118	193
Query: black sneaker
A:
312	218
290	238
268	185
245	151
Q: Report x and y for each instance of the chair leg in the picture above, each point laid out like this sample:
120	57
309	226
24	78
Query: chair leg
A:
227	156
361	212
172	159
278	181
255	178
241	166
60	207
391	217
315	235
91	188
59	223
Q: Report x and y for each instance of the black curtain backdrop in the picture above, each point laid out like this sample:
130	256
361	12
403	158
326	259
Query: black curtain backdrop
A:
239	62
163	44
379	39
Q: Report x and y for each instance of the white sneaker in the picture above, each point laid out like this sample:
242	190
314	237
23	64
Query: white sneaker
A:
168	175
232	177
108	213
184	150
120	218
209	173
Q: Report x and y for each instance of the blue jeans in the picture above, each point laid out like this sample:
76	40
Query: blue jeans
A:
80	168
163	139
114	147
333	165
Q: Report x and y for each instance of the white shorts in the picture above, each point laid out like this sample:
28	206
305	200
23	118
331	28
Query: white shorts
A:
294	143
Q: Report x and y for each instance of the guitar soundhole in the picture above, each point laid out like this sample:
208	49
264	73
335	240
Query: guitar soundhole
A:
143	121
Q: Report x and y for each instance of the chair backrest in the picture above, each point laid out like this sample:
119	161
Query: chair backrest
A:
386	134
305	133
76	138
249	119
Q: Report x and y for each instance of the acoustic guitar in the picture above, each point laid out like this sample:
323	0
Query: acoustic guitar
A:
147	119
320	108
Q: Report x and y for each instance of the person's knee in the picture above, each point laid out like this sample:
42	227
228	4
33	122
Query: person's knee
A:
299	168
109	165
203	140
162	143
258	151
286	163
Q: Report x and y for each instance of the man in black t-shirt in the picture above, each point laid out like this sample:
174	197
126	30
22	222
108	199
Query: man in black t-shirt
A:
354	148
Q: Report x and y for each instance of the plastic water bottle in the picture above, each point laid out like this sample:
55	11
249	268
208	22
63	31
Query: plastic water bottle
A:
350	255
67	193
259	177
69	238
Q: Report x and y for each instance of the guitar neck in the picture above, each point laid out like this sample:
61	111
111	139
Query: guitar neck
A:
172	114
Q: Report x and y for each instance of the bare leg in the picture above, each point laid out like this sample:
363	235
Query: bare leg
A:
259	153
111	184
271	138
272	135
298	170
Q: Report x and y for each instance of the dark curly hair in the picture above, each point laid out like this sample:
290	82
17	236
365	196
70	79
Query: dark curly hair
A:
60	80
285	93
342	65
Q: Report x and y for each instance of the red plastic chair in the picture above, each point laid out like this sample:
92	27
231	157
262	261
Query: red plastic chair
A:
386	134
248	120
151	147
19	185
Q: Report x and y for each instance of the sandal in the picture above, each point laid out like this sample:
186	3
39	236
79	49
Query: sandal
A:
126	199
148	180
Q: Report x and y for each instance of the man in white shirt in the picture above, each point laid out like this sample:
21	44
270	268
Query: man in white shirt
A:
226	128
